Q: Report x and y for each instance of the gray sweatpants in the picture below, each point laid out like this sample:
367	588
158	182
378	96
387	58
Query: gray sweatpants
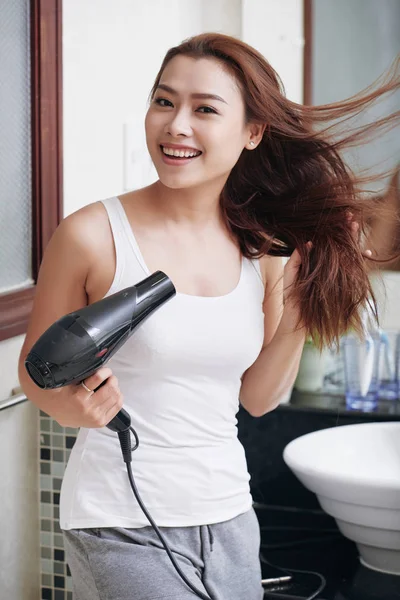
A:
221	560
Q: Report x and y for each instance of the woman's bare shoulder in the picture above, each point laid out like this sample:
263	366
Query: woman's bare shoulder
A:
86	229
85	220
79	240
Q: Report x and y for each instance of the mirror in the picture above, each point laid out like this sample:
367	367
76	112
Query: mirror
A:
349	45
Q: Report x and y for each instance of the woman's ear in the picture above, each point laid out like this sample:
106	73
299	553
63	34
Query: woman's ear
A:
255	133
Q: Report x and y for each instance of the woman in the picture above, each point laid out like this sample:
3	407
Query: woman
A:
243	180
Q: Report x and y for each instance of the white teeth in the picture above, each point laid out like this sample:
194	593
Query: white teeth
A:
180	153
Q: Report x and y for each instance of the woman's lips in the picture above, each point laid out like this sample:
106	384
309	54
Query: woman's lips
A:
177	161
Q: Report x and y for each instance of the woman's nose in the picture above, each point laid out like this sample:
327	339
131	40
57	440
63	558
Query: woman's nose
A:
179	125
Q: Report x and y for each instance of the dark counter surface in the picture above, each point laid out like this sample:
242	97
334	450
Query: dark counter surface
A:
264	440
325	403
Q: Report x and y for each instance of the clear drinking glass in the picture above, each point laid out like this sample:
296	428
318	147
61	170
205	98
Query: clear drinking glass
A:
389	366
361	371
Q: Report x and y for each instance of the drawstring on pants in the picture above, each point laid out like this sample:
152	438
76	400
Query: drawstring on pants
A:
211	537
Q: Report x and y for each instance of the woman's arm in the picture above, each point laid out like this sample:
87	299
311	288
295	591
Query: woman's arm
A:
61	289
273	373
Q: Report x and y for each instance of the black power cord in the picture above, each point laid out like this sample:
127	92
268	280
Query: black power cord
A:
334	534
322	579
126	448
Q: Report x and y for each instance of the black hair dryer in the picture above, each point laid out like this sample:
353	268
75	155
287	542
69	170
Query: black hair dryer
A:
79	343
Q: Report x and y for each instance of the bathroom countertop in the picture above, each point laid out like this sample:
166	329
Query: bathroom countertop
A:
334	404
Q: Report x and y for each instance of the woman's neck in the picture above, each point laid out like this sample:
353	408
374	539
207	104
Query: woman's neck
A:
197	206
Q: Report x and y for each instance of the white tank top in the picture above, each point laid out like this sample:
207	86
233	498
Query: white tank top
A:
180	375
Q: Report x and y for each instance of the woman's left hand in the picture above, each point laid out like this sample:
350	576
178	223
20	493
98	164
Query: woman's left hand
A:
354	229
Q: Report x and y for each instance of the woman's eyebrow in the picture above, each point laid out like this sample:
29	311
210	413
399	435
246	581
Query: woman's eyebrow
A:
167	88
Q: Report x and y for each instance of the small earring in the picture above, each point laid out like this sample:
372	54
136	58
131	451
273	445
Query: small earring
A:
252	143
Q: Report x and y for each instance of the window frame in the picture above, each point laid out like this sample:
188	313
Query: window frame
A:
47	173
307	52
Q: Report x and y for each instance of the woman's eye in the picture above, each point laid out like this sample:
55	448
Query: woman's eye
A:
207	110
162	102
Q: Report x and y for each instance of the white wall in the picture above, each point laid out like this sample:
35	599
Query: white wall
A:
9	352
19	515
276	29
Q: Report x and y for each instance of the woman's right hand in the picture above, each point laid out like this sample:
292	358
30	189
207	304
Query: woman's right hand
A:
74	406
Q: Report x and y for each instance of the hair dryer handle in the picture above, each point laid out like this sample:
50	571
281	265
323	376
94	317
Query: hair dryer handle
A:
121	421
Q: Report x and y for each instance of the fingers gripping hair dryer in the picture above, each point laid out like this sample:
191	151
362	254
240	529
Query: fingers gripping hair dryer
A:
79	343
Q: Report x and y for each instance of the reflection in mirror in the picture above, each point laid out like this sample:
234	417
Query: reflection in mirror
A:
383	237
352	45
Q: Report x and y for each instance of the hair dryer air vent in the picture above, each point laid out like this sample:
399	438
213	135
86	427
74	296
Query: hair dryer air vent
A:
39	371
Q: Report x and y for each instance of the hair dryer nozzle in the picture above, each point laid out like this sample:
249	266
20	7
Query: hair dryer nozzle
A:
151	293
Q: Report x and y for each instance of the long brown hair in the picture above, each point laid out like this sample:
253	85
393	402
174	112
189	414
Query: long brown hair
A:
295	187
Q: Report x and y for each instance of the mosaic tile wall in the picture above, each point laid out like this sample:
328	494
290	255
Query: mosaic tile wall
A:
55	446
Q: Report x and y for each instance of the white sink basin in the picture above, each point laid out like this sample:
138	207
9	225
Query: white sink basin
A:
355	472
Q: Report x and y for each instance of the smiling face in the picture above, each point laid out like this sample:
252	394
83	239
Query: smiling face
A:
195	125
